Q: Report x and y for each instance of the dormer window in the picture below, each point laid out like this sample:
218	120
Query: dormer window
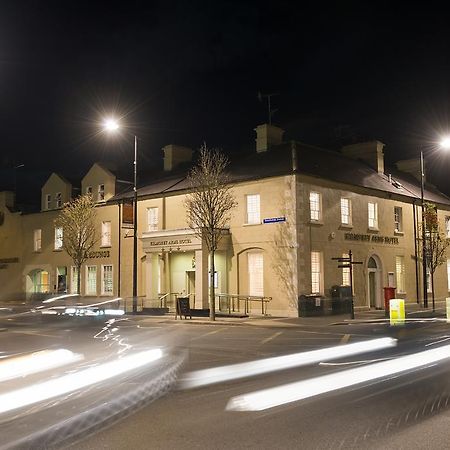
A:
89	190
58	200
48	201
101	192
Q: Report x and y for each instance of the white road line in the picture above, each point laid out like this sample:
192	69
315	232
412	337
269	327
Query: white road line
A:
345	338
270	338
208	334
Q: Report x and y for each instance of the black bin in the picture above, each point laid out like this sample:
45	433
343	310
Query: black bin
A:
311	305
341	299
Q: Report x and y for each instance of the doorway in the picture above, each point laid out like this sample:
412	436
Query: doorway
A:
373	282
190	286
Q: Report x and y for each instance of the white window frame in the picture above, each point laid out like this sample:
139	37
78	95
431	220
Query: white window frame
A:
101	193
48	201
316	273
104	291
59	236
372	215
106	233
253	211
315	206
255	262
152	218
73	280
398	219
88	291
400	276
346	211
58	200
89	190
447	227
37	240
345	272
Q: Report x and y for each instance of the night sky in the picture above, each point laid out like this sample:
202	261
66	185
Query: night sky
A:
185	72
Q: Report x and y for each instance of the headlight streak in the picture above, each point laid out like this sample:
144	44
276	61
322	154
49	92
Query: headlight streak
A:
60	297
280	395
232	372
68	383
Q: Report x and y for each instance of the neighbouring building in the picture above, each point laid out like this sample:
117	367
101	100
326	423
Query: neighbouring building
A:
298	206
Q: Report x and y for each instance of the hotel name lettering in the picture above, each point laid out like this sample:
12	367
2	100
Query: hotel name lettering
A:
172	242
371	238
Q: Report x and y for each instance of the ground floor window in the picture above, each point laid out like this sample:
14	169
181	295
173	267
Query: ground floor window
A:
74	280
91	280
107	279
316	273
255	274
400	273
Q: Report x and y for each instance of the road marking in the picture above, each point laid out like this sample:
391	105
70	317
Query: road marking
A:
33	333
345	338
208	334
268	339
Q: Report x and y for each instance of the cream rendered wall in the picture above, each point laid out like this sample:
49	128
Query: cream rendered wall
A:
53	185
99	175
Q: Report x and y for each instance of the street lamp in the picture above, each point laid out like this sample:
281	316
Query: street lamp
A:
112	125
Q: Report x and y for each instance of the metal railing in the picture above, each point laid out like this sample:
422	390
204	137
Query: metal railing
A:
233	302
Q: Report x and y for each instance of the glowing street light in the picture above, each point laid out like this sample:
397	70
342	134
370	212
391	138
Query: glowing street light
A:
445	143
112	125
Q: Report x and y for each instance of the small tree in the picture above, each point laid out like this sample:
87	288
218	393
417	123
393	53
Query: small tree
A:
209	205
77	220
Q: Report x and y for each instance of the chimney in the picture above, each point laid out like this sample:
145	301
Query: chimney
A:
411	166
174	155
7	199
370	152
268	136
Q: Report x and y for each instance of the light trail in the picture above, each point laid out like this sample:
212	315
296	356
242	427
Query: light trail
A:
280	395
261	366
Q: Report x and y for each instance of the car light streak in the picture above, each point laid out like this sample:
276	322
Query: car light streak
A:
235	371
22	366
280	395
60	297
74	381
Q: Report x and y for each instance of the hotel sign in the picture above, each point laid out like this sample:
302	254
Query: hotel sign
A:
374	238
170	242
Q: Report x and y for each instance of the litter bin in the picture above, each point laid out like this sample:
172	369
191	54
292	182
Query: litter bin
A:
341	298
389	293
311	305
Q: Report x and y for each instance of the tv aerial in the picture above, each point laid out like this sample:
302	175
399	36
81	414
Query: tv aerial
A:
271	111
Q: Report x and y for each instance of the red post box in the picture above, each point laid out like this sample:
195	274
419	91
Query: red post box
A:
389	293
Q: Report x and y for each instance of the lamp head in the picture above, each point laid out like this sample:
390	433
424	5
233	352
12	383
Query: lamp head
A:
110	125
445	143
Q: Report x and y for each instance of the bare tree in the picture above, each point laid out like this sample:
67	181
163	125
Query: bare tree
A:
78	222
209	205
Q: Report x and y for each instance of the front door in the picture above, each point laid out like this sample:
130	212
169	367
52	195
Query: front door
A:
190	288
373	282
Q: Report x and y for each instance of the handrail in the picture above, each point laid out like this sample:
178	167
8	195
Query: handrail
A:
247	299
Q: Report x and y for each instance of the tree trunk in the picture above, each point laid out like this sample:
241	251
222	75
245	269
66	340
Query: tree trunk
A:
78	279
432	288
212	300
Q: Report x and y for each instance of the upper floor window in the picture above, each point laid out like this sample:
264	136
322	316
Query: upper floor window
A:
346	218
398	219
447	227
152	219
373	215
101	192
58	200
253	209
400	273
314	206
37	240
58	238
89	190
345	272
48	201
106	234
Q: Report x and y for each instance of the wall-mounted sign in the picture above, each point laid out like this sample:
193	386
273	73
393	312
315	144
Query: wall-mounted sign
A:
9	260
274	219
98	254
171	242
371	238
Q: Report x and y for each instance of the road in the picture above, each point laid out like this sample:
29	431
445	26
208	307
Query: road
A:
408	409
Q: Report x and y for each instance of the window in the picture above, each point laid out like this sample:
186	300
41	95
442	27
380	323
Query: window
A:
345	272
316	273
314	205
101	192
400	273
58	238
48	201
106	234
253	209
89	190
255	274
74	280
448	275
429	281
91	280
345	211
447	227
373	215
107	279
58	200
152	219
37	240
398	219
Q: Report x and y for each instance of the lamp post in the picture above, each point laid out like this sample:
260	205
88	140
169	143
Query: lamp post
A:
112	125
424	245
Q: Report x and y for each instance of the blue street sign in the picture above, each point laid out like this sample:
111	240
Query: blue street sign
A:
274	219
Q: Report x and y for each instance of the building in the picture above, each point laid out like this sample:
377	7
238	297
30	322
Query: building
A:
298	206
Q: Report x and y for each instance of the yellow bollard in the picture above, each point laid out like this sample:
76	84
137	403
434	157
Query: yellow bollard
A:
447	307
397	311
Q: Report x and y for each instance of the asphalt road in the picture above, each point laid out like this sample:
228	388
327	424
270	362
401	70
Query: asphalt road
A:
405	410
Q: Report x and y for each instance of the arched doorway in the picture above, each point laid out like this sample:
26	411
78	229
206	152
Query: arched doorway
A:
374	282
38	281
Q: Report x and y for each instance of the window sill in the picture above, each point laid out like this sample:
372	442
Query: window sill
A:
315	222
250	224
399	233
373	229
105	246
344	226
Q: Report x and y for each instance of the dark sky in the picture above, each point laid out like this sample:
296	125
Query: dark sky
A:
189	71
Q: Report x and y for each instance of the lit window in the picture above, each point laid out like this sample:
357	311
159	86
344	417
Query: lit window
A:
316	273
107	279
58	238
58	200
398	219
37	240
256	273
91	280
400	273
345	211
101	192
345	272
48	201
373	215
89	190
253	209
152	219
447	227
314	205
106	234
